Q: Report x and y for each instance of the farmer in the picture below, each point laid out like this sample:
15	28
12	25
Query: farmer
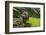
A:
25	16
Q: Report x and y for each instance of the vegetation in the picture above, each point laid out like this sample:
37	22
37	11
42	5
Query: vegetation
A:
35	22
33	19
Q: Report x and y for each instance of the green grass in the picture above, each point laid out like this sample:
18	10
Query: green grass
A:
35	22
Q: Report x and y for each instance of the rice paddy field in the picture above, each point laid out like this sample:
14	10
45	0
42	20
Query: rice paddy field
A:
34	22
32	17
